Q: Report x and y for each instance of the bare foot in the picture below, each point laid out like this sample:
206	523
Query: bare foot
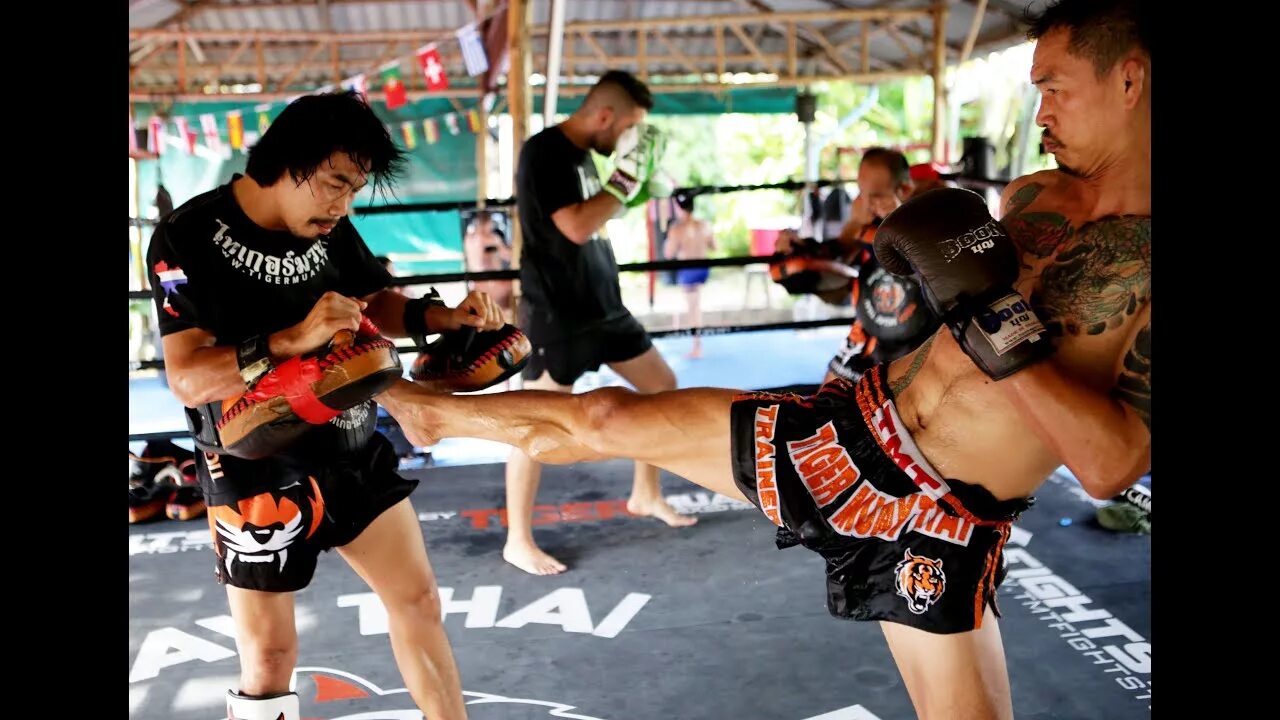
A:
659	508
417	421
417	436
531	559
694	354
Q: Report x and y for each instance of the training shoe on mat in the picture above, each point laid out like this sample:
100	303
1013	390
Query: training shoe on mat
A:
187	500
1130	511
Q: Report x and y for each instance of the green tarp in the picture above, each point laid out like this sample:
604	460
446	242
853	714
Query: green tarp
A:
443	171
420	243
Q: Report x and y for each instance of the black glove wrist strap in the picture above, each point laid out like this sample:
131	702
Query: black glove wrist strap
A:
253	357
415	316
970	309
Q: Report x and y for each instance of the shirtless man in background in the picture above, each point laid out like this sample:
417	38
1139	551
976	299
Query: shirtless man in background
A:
690	238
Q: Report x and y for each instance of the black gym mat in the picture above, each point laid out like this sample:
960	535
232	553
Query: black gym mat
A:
705	622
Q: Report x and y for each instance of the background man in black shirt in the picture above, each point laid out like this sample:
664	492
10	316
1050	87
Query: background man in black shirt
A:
572	307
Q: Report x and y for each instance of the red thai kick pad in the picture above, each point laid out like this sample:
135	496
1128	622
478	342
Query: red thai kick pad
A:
469	360
308	390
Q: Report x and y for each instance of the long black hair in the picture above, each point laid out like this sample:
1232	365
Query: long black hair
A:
314	127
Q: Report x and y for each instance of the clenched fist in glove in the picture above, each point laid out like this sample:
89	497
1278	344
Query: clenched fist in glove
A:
967	265
657	187
635	165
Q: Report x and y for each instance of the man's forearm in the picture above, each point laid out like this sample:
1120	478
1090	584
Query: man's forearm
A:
581	221
387	310
833	267
851	234
212	373
1104	443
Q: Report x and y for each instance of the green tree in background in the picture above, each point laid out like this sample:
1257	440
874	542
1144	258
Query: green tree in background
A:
734	149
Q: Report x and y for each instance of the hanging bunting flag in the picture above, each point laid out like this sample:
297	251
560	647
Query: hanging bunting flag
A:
209	124
451	120
235	129
410	138
473	55
356	83
393	87
187	136
433	69
430	130
155	142
250	139
264	121
494	30
473	120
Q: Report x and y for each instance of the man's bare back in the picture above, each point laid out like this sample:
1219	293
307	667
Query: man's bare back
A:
689	239
1087	270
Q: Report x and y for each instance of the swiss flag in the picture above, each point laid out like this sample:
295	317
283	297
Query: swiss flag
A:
433	69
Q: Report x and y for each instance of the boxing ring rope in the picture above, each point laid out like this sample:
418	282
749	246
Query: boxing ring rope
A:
652	266
792	185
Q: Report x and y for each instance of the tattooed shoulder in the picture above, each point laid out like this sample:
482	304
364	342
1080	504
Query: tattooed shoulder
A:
1098	281
1037	234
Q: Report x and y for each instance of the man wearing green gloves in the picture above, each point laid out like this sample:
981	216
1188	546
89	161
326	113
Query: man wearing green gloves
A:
572	308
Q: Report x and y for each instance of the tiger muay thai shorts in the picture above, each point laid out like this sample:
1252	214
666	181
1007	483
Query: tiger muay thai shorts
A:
838	474
270	539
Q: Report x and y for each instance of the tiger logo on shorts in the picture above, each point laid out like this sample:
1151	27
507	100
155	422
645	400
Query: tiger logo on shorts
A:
920	580
261	528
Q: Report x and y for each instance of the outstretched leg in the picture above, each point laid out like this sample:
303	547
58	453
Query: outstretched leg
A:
685	432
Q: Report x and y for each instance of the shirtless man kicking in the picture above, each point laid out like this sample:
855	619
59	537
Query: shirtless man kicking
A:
907	482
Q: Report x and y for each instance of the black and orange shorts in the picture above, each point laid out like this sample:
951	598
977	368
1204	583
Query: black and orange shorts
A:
271	539
838	473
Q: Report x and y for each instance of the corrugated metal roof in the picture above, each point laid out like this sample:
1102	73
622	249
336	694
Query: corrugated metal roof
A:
691	38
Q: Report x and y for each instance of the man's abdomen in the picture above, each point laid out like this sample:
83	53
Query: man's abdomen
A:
967	428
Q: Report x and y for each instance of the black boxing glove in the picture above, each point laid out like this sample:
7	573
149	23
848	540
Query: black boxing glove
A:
967	265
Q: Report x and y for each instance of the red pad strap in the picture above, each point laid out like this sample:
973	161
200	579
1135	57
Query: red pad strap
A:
368	328
293	379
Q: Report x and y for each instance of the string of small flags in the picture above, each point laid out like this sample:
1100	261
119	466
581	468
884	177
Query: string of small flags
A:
154	135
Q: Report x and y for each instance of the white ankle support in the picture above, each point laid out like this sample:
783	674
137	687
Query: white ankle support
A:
272	707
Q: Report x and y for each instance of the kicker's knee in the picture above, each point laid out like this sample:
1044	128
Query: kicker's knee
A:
608	414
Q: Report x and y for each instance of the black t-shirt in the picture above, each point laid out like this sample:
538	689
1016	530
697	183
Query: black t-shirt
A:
568	288
212	268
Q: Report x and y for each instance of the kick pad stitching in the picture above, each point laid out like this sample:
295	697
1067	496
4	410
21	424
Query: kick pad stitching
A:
343	353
